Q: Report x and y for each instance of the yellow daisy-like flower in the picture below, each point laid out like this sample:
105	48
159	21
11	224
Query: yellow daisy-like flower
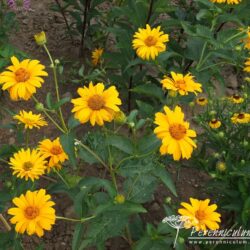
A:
174	133
202	101
96	104
28	164
22	78
182	84
226	1
247	65
218	1
236	99
247	39
214	123
53	151
148	42
96	56
33	213
240	118
200	215
30	120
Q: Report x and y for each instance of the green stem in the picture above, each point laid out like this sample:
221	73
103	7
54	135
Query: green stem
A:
63	180
5	223
134	156
210	66
51	119
234	36
91	152
75	220
111	170
56	87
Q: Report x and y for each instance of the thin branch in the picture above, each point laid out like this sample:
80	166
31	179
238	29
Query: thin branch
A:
65	19
84	26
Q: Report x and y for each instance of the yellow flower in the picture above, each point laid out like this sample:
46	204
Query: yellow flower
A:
22	78
236	99
30	120
33	213
214	123
200	215
28	164
96	104
182	84
226	1
53	150
202	101
96	56
148	42
174	133
247	65
247	39
218	1
240	118
40	38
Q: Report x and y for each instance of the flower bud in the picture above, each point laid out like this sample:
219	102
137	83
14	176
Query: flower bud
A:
172	93
216	155
212	112
247	79
181	240
120	117
221	134
238	48
57	61
245	143
221	166
119	199
131	124
168	200
40	38
191	104
242	162
39	106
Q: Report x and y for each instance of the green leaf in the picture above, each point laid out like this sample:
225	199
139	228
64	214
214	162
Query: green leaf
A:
77	236
68	143
166	178
148	143
49	101
150	90
61	102
121	142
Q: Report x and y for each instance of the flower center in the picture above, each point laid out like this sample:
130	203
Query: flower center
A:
96	102
56	150
213	121
27	165
22	75
177	131
202	99
31	212
241	116
180	84
150	41
200	215
237	97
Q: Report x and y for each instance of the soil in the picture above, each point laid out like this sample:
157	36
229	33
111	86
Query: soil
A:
190	182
